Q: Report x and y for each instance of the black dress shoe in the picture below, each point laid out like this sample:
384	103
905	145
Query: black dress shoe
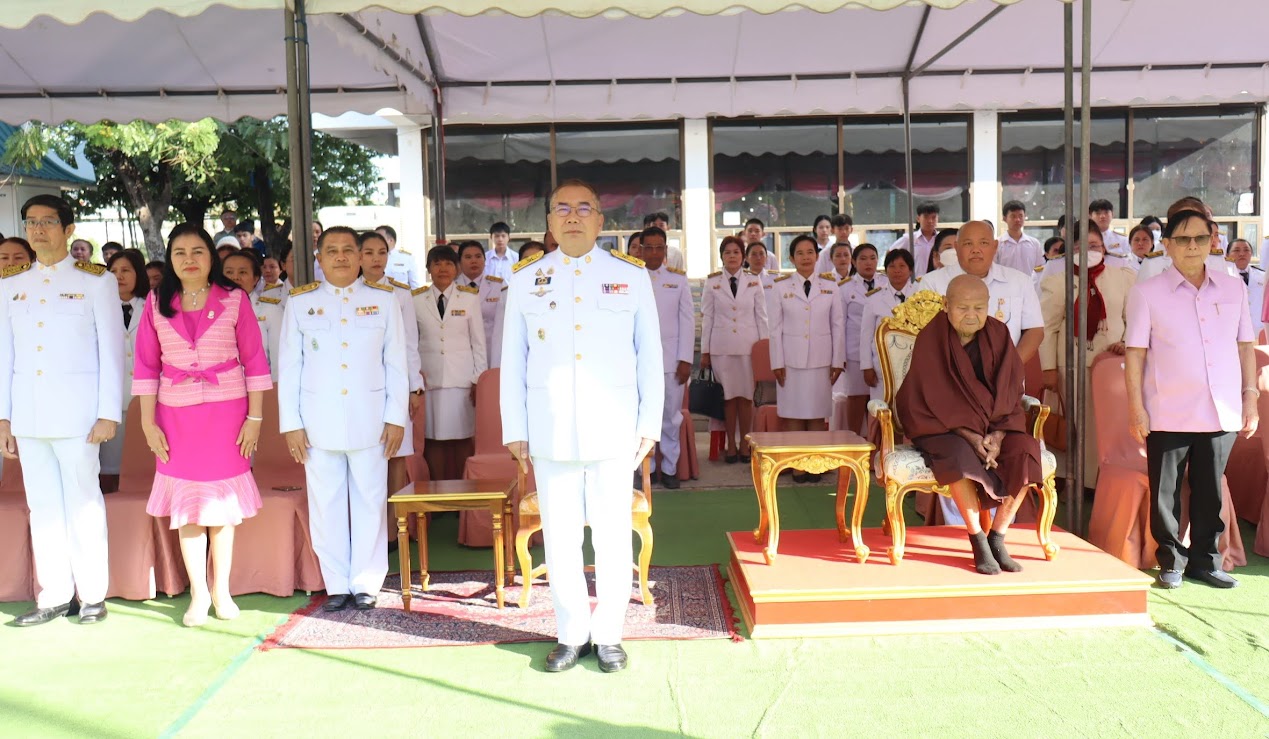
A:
564	657
745	458
612	658
731	458
671	482
91	613
1215	578
365	601
41	615
337	602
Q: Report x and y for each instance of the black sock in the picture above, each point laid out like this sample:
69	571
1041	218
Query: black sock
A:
984	562
996	541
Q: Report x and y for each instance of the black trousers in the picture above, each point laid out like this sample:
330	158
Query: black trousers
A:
1168	454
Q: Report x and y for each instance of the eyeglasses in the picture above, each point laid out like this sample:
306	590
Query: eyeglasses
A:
564	210
42	224
1199	241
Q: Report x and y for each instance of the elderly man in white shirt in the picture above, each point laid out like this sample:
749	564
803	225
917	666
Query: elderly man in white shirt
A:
1018	250
923	238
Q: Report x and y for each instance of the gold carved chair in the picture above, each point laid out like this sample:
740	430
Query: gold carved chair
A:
531	523
900	467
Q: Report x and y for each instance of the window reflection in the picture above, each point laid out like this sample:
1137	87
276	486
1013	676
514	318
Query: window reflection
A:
497	174
1209	156
1032	159
876	180
636	170
782	174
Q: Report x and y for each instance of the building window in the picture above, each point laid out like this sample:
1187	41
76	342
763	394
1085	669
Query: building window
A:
635	169
876	180
1032	162
1210	155
496	174
784	174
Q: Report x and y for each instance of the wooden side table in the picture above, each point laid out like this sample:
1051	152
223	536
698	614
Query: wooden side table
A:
815	452
454	495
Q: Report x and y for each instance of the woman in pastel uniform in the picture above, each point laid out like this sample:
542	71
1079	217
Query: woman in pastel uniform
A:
878	303
852	291
734	318
243	270
840	257
452	354
756	261
808	341
129	269
201	374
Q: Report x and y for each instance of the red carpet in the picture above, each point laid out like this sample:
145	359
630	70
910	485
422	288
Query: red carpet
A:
460	610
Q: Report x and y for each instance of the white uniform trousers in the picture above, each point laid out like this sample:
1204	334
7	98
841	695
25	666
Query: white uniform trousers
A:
671	424
347	492
573	495
68	519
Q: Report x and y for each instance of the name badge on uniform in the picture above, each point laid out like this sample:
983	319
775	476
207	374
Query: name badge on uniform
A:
458	312
753	284
491	300
1000	309
715	286
826	292
72	296
260	318
616	288
368	310
669	284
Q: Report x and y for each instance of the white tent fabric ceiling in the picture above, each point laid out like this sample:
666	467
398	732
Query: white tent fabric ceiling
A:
530	60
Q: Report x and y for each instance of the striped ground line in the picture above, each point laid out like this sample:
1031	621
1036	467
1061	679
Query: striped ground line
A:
236	664
1197	660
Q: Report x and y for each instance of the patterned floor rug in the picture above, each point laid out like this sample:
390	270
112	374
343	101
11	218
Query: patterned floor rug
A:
460	610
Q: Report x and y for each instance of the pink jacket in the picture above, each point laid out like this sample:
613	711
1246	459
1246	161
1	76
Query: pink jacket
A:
222	360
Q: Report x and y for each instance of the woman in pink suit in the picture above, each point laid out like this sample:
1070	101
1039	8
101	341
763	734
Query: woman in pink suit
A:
201	372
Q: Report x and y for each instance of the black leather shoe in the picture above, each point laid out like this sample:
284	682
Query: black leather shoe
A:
41	615
91	613
670	482
564	657
365	601
1215	578
731	458
337	602
612	658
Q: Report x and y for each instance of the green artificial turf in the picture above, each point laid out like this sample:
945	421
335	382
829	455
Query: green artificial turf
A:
142	674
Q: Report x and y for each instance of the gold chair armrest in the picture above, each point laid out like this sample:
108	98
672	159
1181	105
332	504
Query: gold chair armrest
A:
1038	412
880	410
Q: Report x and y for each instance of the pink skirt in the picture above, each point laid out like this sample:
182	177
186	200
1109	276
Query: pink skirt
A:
200	503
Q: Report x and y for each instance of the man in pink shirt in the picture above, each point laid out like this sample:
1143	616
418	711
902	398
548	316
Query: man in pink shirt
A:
1191	376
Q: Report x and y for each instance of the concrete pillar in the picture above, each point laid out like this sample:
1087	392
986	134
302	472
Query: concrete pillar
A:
984	188
412	232
1262	183
698	202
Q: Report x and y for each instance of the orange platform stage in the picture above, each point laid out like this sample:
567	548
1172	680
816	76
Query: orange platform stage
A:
817	587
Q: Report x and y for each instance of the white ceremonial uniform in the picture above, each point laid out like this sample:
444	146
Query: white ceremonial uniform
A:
582	382
268	310
921	253
279	290
808	336
1023	254
852	292
493	293
1116	243
499	266
674	258
111	452
824	262
402	268
1014	301
452	357
731	325
878	303
412	367
677	319
1255	279
341	378
61	369
1158	261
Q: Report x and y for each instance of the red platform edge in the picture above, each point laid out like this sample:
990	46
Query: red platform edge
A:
817	587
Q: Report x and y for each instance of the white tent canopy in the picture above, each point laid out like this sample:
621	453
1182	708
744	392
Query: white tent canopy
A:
540	60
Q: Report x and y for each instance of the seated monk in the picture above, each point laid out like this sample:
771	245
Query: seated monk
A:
961	406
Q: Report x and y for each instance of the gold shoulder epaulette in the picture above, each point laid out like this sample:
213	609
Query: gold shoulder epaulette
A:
469	289
90	268
628	259
773	271
493	278
872	292
1155	253
420	290
527	261
918	279
16	269
377	286
715	274
398	283
1039	269
782	278
677	271
1217	252
310	287
844	280
270	301
828	276
404	251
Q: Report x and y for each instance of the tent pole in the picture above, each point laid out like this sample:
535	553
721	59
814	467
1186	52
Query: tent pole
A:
1068	125
1086	136
300	133
438	145
907	160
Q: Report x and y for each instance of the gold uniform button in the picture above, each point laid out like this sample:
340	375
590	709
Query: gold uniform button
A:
344	345
39	348
343	320
588	259
40	324
345	300
343	366
567	260
43	301
344	391
578	327
577	272
45	280
579	356
577	299
39	372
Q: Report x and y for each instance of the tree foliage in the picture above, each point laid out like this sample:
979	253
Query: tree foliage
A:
195	168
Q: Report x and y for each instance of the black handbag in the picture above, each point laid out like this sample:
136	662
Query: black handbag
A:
706	395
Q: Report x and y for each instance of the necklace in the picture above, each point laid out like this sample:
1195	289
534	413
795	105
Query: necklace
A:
194	296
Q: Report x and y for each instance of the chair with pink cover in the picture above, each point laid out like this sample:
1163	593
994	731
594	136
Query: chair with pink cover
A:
17	567
1261	545
136	477
689	461
1120	523
765	417
491	461
1246	471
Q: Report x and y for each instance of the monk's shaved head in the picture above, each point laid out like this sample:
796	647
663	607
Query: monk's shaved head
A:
972	228
966	287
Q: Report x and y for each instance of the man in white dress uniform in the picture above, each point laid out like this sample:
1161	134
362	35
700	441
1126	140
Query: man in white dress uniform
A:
582	390
61	379
343	407
678	342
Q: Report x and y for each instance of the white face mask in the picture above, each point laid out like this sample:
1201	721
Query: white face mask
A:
1094	259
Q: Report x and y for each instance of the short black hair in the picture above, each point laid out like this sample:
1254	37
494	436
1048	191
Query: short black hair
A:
364	237
336	230
1152	220
154	264
651	231
389	230
793	245
442	253
134	258
574	182
111	246
1048	244
631	239
22	243
1092	228
895	255
758	221
244	227
530	245
928	208
1099	205
497	228
63	208
1176	220
1013	205
470	244
842	219
652	218
249	256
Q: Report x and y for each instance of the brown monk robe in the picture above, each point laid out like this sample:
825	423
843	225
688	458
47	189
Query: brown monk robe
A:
962	408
